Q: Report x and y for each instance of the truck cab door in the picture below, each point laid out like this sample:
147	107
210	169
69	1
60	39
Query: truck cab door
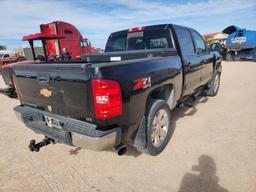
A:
191	61
204	57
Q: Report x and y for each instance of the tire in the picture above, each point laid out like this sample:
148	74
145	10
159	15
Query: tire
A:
214	85
229	57
157	109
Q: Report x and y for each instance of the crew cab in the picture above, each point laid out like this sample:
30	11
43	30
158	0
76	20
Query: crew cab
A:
122	97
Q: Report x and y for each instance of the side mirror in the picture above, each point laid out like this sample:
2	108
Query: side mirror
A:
216	47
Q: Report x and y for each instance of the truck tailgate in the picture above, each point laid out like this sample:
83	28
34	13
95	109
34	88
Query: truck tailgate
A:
62	89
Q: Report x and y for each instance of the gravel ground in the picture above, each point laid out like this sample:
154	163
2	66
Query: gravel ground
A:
213	149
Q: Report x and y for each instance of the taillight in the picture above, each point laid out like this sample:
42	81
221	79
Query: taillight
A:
136	29
107	98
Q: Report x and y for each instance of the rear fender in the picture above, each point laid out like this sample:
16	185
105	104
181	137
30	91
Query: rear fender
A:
165	92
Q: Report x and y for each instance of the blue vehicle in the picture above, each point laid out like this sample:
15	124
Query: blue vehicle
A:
241	44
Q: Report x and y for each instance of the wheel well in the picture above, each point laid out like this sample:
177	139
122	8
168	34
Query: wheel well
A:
165	93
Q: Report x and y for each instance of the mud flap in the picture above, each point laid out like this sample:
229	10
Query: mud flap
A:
141	136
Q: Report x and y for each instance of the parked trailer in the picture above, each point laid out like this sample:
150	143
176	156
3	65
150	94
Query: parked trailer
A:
241	43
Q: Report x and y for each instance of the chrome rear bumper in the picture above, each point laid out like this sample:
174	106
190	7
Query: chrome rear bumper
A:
72	132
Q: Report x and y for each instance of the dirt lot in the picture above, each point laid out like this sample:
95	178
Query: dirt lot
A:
213	149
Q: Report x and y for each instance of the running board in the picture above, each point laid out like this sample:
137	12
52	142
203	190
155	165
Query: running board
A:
191	101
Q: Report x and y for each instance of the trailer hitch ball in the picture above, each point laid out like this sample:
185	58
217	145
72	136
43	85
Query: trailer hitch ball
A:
32	146
35	147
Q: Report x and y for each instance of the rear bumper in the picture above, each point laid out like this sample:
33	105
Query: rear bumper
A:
72	132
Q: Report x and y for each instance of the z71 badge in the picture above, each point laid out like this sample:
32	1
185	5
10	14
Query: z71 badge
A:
142	83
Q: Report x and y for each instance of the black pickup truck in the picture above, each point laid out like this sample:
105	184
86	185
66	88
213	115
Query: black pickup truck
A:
121	97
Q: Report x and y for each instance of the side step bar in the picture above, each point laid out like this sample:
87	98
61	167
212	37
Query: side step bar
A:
191	101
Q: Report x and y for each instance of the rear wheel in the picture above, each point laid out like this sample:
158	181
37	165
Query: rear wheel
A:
158	126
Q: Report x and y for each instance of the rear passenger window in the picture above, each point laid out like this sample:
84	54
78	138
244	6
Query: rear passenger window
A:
185	41
199	42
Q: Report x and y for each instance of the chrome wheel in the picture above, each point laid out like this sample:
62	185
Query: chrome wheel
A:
216	83
160	128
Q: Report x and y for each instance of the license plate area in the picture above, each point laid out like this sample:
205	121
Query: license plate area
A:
52	122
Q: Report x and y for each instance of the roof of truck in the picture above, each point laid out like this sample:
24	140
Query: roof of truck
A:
155	27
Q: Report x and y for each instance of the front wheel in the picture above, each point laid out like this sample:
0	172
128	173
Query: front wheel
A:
158	126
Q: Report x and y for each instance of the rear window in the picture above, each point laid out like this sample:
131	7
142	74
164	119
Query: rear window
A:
116	42
148	39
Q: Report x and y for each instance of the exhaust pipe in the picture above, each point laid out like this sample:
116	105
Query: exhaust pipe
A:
121	149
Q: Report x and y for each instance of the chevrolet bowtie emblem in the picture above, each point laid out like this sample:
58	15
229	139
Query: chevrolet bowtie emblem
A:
45	93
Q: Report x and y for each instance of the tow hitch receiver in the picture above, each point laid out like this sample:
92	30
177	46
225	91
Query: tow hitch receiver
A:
33	146
9	91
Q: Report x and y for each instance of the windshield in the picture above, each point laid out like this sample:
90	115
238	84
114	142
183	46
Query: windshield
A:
148	39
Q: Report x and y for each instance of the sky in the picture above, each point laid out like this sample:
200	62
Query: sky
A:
96	19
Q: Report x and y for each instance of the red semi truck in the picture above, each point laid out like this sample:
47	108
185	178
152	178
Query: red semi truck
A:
58	35
55	37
